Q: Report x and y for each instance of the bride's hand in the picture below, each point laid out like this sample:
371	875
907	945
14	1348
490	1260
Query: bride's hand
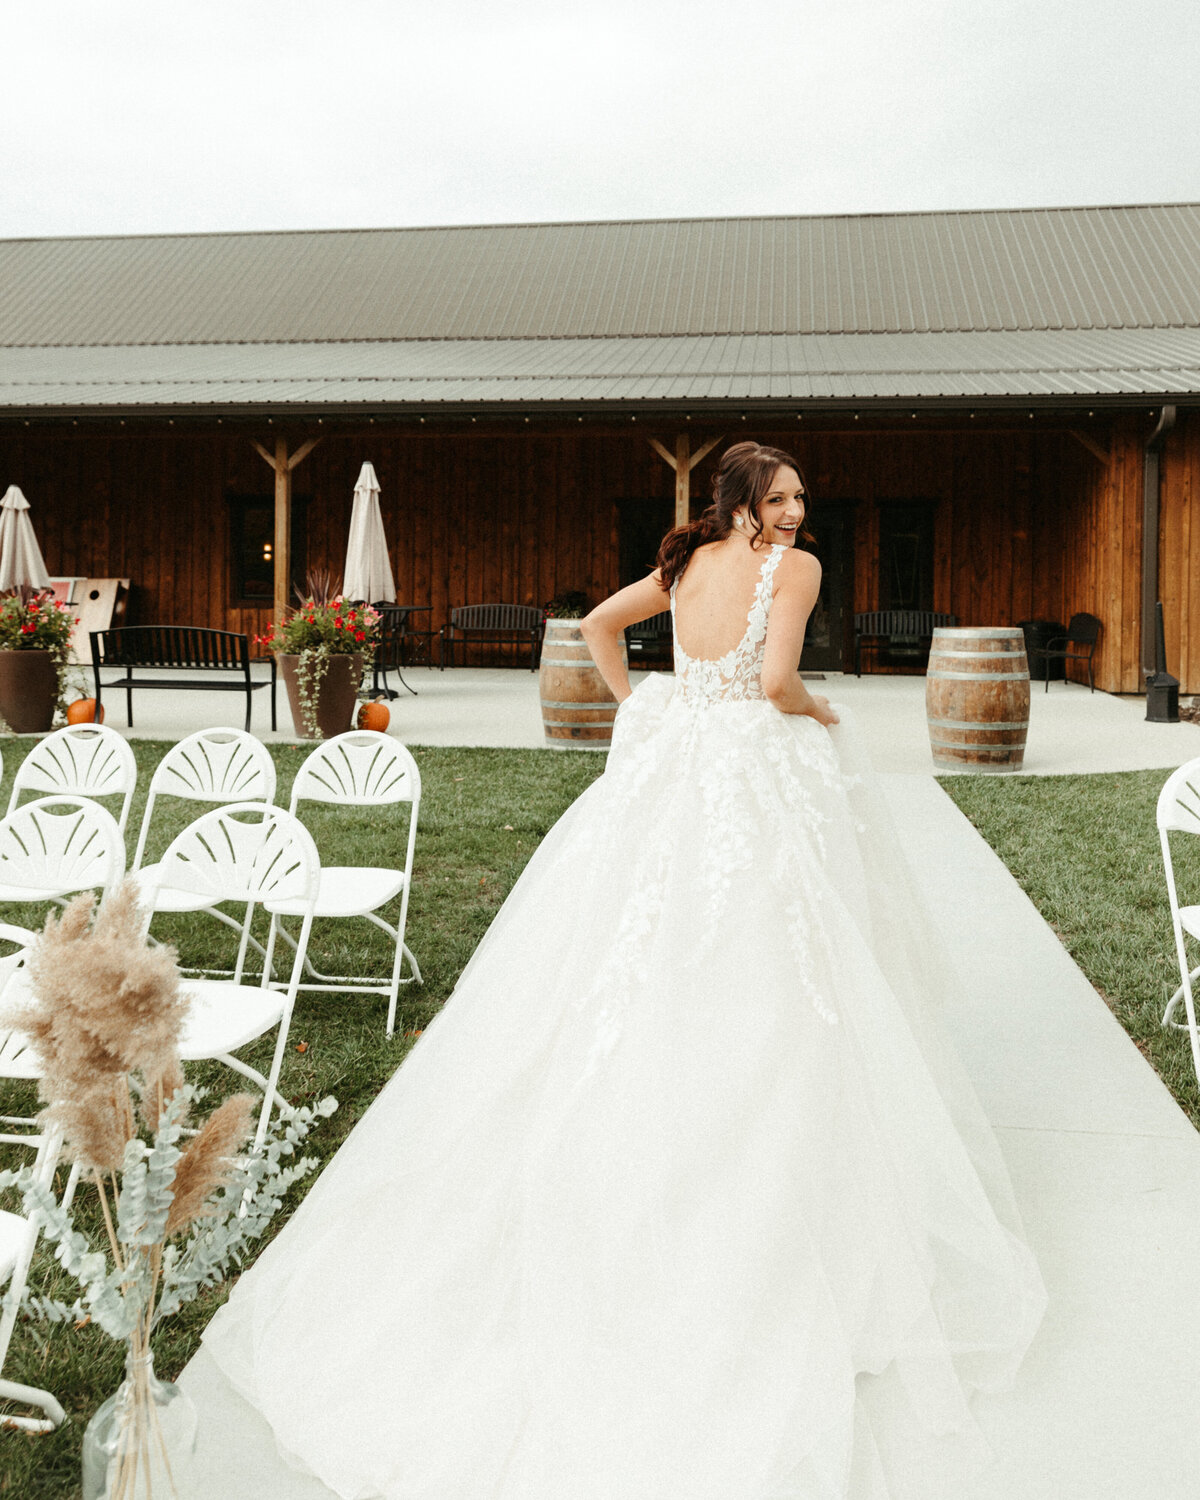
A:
822	711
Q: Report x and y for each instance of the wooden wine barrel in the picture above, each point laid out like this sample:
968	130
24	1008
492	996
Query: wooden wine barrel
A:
577	708
977	699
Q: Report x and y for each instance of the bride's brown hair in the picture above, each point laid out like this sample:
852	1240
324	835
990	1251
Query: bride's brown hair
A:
743	477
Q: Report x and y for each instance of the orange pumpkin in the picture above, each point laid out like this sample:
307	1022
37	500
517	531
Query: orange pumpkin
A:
374	715
83	711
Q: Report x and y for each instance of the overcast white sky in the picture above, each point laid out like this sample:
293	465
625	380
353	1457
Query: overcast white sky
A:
151	116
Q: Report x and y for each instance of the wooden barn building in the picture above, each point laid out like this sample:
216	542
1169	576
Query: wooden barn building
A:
995	411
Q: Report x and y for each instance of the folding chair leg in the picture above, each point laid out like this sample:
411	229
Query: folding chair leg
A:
30	1395
1176	1000
264	1083
68	1196
11	1390
402	952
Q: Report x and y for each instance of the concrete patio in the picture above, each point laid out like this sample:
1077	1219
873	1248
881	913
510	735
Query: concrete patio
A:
1070	729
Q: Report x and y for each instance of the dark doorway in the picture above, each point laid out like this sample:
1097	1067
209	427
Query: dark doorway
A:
643	524
905	572
827	640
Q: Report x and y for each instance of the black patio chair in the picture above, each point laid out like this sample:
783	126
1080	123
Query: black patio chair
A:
1083	630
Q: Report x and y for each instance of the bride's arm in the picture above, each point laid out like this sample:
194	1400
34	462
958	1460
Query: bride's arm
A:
799	580
602	628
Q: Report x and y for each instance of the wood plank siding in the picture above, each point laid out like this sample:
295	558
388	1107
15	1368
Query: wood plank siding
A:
1027	522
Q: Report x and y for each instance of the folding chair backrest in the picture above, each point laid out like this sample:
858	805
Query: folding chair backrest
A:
213	765
1179	801
82	760
17	1059
246	852
361	768
61	844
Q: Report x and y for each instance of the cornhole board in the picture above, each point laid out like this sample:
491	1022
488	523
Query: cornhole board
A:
98	603
64	589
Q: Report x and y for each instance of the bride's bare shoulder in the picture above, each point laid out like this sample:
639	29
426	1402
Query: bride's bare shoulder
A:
797	567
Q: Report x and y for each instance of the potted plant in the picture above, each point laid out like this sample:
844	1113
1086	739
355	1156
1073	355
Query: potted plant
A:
181	1198
35	636
323	648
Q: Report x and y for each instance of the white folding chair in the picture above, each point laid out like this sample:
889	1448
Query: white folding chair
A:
361	769
57	846
214	766
82	760
18	1240
1179	812
19	1231
254	854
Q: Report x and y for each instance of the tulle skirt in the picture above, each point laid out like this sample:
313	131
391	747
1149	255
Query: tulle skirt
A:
684	1195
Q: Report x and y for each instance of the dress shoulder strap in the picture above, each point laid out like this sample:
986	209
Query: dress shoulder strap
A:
766	574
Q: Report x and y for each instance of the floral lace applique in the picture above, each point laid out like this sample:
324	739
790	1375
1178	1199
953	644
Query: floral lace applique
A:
737	675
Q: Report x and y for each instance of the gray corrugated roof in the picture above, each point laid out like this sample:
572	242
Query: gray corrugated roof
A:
1036	269
782	367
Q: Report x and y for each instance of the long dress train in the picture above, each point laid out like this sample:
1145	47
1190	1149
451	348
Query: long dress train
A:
684	1195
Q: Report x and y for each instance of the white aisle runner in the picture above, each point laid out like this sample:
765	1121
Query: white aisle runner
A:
1107	1173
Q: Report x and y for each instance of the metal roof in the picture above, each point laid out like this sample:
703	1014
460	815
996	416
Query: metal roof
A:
1034	269
783	367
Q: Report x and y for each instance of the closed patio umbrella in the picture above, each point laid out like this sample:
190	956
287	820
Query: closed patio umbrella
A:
368	572
20	556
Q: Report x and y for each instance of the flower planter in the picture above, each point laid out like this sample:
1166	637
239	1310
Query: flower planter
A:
28	690
336	692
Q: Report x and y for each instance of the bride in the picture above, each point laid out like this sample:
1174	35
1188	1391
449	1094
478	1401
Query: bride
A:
684	1195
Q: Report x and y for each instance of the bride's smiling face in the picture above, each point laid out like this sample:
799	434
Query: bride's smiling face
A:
780	511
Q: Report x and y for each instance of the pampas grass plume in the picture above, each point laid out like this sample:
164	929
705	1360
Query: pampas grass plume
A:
207	1160
104	1003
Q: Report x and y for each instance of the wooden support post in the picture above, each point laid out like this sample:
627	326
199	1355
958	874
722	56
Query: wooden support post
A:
683	461
683	479
282	557
283	529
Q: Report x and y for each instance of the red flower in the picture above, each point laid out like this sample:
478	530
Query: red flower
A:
360	635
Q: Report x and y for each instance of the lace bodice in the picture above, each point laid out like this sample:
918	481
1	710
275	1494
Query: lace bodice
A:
738	674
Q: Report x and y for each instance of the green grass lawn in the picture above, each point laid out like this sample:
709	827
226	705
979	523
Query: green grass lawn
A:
1085	850
483	812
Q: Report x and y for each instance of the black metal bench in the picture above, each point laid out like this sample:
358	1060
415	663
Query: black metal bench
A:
650	640
896	627
179	648
493	624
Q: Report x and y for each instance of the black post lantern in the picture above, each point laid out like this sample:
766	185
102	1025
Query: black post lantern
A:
1162	690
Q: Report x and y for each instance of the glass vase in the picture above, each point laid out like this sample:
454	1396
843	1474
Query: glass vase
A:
141	1440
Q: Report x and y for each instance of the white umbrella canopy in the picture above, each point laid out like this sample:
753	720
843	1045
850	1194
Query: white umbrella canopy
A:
20	556
368	573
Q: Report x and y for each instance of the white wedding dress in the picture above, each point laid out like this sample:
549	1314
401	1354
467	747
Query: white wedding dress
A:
684	1194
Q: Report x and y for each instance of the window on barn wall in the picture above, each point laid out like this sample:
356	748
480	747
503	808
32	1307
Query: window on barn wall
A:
906	554
252	547
905	569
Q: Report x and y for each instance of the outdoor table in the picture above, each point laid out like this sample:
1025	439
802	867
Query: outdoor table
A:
395	632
